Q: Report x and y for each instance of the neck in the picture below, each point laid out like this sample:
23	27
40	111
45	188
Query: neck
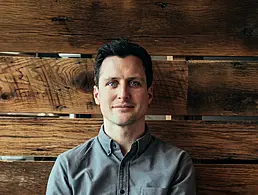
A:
124	135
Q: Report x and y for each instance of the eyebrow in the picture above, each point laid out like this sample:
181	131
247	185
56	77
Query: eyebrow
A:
129	78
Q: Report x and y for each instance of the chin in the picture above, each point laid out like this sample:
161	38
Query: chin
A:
125	122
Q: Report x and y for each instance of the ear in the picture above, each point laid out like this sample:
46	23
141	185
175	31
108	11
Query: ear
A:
150	94
96	94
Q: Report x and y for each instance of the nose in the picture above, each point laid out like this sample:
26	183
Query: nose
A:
123	92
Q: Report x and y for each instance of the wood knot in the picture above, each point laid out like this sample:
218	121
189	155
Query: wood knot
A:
161	4
238	65
60	107
61	19
5	96
250	32
84	81
89	105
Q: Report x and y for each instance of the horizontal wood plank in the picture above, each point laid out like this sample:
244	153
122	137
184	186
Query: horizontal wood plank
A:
24	177
46	85
222	88
211	139
31	178
44	137
227	28
66	85
216	179
202	139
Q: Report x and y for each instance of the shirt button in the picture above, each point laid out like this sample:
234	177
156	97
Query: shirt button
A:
122	191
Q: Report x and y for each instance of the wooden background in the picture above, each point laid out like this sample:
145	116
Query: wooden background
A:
225	152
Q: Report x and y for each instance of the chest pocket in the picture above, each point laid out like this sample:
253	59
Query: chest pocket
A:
154	191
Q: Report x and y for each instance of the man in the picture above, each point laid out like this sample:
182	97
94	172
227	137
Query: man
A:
124	158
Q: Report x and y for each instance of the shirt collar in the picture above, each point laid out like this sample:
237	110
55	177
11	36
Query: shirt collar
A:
141	143
105	140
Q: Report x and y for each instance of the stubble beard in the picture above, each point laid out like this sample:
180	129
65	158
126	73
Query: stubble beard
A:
116	121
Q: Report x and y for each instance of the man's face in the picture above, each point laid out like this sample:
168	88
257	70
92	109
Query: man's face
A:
122	93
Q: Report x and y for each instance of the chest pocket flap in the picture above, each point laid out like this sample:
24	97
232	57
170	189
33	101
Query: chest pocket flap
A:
152	191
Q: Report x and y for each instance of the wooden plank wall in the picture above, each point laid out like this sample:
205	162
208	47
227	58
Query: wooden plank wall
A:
225	152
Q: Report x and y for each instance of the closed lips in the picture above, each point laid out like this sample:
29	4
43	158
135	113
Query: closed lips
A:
123	106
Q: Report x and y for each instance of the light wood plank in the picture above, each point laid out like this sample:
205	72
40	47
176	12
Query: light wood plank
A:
66	85
46	85
227	28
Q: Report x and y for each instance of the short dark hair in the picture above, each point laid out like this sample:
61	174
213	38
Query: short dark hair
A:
123	48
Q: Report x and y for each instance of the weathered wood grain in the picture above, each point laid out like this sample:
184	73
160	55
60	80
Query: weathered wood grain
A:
218	179
211	139
199	27
65	86
170	84
46	85
31	178
44	137
223	88
202	139
24	177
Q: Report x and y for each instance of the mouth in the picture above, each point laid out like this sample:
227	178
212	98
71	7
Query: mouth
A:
123	106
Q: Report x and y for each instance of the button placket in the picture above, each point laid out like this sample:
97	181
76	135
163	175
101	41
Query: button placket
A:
123	178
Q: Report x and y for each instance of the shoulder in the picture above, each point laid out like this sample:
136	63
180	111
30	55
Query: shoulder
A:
76	154
170	151
176	160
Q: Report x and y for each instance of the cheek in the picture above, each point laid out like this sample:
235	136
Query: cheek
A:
141	97
106	96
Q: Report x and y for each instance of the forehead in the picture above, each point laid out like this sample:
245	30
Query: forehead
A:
128	66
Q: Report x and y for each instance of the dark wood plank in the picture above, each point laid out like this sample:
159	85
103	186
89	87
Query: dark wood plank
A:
227	28
215	179
211	139
223	88
65	86
202	139
24	177
44	137
31	178
170	84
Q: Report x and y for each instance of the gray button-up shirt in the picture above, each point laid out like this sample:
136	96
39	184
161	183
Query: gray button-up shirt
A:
98	167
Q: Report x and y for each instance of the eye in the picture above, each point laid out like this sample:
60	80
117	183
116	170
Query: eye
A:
135	83
112	83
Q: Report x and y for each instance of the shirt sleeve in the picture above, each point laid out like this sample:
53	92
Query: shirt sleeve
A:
58	180
184	182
